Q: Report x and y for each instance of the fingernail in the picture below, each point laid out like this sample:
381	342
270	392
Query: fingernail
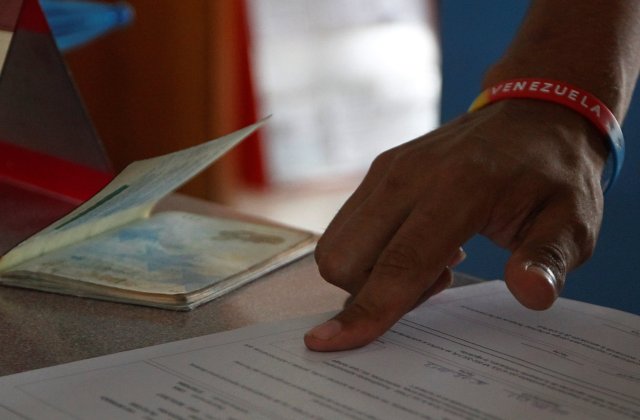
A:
326	331
547	274
458	258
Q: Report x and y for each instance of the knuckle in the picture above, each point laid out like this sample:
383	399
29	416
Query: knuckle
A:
398	259
580	227
399	169
370	311
400	176
553	255
382	161
371	319
335	267
320	252
395	181
584	236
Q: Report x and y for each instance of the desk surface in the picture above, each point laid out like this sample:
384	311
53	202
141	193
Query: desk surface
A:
40	329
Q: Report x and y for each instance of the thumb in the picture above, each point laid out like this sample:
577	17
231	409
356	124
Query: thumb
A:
556	243
533	283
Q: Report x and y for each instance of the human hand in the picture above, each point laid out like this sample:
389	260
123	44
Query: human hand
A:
524	173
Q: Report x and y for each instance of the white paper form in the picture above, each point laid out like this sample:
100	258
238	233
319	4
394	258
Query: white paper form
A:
471	352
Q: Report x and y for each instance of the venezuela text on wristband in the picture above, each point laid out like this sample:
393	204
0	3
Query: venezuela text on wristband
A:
572	97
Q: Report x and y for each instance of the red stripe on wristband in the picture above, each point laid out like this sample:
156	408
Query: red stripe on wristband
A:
571	97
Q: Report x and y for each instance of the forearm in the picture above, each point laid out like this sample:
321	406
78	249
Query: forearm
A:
592	44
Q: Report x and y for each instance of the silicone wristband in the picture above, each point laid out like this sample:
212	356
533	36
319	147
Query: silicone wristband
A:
572	97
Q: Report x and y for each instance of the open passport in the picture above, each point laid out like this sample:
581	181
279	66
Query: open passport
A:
112	248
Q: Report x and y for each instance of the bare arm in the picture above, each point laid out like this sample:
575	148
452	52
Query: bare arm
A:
592	44
524	173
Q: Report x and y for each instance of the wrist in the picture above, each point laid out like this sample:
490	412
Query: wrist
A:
606	85
551	138
570	97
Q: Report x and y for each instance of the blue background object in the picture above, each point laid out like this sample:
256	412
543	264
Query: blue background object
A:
75	23
474	35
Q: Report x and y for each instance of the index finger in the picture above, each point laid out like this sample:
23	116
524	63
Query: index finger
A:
412	261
